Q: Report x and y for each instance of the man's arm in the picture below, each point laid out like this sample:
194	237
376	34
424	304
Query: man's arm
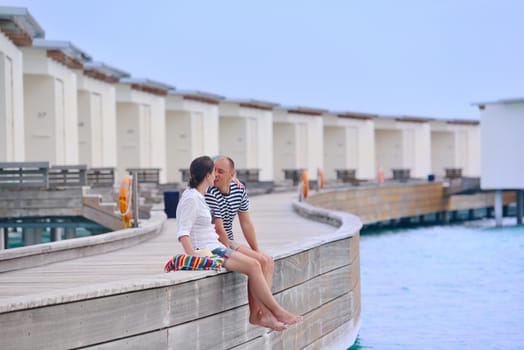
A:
221	231
248	229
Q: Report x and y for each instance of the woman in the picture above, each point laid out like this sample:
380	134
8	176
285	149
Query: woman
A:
196	232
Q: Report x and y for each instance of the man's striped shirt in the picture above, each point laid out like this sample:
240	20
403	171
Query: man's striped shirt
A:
226	205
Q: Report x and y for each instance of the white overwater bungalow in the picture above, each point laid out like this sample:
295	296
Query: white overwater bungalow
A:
246	135
50	100
349	145
501	126
141	125
191	130
97	114
455	147
298	142
17	29
402	145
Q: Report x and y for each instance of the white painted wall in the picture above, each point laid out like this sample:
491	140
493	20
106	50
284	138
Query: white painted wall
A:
284	148
265	147
12	145
39	118
367	168
192	131
421	146
233	140
472	152
349	144
442	152
335	146
403	145
96	122
315	146
128	138
141	130
455	146
298	143
179	143
388	146
501	132
50	104
246	136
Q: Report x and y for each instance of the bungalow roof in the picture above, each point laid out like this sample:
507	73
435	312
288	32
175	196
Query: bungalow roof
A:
66	47
18	24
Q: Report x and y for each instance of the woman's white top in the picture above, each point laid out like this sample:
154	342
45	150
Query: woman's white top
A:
194	220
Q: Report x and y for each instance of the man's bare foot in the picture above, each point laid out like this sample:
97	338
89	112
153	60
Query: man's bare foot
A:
268	321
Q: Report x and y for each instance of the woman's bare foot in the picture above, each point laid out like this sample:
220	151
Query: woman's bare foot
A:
267	321
289	319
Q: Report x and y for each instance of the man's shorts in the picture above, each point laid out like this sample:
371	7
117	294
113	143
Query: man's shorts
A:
234	244
223	252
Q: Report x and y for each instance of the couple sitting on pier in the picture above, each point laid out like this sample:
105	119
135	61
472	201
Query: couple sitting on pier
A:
214	197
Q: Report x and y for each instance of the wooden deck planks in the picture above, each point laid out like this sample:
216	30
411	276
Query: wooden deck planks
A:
278	228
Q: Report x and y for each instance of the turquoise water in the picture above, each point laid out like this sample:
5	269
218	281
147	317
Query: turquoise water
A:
443	287
16	241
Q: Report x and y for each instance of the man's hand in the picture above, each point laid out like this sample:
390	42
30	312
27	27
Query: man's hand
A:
248	229
221	231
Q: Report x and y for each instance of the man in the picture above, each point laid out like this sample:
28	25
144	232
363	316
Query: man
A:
226	199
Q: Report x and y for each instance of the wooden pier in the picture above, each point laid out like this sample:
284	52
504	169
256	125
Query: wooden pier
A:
392	201
123	299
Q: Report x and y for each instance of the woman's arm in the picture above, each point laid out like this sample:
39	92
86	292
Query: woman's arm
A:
186	243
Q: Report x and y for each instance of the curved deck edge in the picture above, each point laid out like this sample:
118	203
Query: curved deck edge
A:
46	253
349	227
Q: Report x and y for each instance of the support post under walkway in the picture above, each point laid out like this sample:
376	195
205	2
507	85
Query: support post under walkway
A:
520	211
498	208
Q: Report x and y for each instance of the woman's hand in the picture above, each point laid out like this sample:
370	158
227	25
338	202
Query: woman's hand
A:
204	252
237	181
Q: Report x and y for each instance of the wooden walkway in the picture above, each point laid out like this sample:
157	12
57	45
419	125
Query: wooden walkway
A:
280	231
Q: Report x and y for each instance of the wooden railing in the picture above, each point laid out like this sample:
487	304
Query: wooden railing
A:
185	174
41	175
248	175
101	177
346	175
24	174
401	174
453	173
293	174
67	176
146	175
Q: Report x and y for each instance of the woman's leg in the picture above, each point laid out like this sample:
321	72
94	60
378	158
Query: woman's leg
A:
258	286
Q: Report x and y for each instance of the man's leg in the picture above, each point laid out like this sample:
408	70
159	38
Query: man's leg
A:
268	267
271	314
267	263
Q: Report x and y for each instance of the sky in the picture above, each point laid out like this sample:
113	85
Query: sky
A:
419	58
